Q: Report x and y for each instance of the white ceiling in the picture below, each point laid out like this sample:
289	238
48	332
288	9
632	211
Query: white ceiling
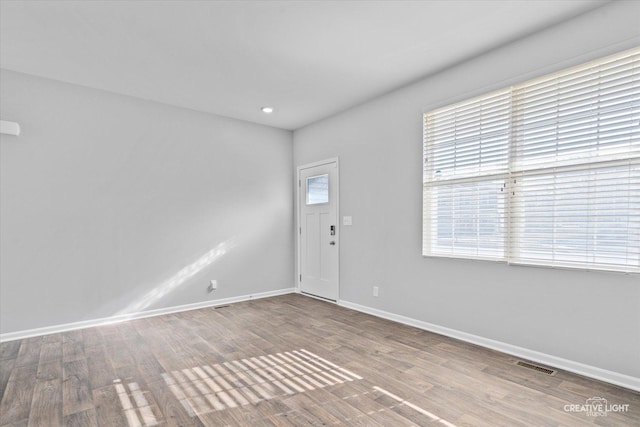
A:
308	59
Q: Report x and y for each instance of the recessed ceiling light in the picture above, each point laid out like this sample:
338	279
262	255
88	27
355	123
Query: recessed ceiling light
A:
267	110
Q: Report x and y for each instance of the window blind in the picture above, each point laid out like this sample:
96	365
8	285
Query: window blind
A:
546	172
466	161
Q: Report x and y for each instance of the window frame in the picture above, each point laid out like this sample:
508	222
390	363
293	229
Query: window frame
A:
513	190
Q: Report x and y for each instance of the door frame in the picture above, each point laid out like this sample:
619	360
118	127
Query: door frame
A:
298	230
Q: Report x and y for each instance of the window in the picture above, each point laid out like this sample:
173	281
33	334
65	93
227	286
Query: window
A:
318	189
546	172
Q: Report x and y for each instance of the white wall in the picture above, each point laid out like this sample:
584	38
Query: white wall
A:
106	198
588	317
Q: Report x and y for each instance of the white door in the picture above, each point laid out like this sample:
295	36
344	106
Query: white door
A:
318	222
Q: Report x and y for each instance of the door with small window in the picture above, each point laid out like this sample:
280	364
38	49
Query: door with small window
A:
318	229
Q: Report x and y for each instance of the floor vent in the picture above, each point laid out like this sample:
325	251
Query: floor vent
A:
221	306
536	367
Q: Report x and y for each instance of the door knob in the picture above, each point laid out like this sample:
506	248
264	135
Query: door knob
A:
332	243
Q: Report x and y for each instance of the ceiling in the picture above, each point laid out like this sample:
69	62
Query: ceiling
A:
307	59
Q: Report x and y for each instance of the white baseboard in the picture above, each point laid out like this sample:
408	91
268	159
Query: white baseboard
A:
10	336
616	378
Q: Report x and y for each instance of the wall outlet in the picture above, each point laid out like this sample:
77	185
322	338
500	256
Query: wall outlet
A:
375	291
213	285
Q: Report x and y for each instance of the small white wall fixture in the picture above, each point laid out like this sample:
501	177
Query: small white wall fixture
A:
9	128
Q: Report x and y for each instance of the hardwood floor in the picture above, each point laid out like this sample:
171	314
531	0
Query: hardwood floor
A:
284	361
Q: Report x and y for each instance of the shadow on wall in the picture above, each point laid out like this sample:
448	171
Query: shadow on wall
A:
175	281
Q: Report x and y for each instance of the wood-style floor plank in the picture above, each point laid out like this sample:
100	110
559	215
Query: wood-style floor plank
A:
243	364
76	389
29	352
72	346
101	373
109	411
49	370
173	412
16	401
6	366
9	350
46	404
82	419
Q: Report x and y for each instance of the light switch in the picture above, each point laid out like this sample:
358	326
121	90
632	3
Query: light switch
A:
347	220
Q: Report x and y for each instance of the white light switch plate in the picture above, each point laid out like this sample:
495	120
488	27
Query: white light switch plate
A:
347	220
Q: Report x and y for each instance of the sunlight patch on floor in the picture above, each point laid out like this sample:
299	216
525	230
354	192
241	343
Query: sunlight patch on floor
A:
135	405
237	383
247	381
402	402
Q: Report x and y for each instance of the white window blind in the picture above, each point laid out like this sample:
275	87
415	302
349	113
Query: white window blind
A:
546	172
466	162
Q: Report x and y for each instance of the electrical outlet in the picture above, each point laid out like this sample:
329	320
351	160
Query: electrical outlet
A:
375	291
213	285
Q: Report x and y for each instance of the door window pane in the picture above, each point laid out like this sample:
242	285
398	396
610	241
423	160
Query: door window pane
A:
318	189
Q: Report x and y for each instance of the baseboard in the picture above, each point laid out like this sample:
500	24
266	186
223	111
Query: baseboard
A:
616	378
11	336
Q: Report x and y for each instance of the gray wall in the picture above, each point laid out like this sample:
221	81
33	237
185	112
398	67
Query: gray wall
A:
108	201
588	317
